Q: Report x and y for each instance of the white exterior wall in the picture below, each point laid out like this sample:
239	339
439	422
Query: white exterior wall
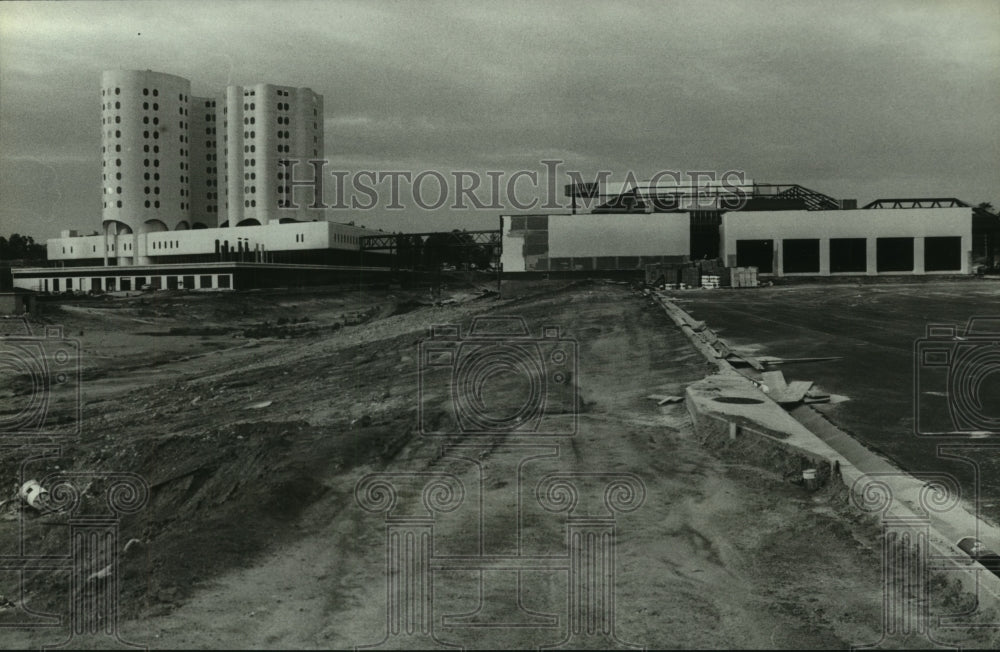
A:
299	236
642	234
603	235
871	224
205	166
264	125
144	121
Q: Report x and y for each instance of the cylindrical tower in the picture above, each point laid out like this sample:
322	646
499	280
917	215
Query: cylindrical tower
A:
204	157
233	125
308	145
145	157
264	152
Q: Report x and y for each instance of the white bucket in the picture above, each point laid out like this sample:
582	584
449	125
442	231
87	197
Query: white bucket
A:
31	492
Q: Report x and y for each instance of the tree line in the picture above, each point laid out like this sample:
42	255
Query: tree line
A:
435	250
21	248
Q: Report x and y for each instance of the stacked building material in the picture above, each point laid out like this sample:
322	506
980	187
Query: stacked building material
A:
711	281
667	273
691	276
744	277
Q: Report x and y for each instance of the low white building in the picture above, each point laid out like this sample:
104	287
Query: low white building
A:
201	258
592	241
783	230
862	241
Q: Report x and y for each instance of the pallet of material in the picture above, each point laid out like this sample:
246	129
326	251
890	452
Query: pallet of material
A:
691	277
743	277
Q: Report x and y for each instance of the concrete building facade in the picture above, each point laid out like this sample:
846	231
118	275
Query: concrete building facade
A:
145	152
264	126
173	162
215	252
592	241
869	242
783	230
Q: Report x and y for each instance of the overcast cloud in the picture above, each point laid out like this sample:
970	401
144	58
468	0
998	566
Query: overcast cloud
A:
854	99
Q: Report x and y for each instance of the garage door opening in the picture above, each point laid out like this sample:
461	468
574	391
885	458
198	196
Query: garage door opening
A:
755	253
800	256
943	254
894	254
848	255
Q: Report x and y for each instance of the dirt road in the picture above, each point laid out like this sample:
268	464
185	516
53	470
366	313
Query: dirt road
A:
256	533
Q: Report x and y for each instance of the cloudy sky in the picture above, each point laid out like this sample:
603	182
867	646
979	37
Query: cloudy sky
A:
854	99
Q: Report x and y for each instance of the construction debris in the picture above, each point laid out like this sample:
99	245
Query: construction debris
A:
785	393
738	359
664	400
101	574
684	274
772	361
34	494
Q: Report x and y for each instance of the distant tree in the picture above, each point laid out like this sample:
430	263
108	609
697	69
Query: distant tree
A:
437	250
409	250
21	248
987	206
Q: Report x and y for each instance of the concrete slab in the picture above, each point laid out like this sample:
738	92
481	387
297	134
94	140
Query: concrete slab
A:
933	503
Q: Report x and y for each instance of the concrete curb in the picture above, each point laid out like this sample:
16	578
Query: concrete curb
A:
874	484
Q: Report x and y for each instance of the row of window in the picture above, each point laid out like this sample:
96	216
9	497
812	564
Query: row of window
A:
166	244
147	203
127	284
126	246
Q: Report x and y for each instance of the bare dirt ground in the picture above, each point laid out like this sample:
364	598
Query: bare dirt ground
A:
253	439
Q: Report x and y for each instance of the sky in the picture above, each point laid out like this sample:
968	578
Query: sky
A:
858	100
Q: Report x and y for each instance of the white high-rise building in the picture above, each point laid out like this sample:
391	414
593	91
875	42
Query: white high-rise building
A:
171	161
265	125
